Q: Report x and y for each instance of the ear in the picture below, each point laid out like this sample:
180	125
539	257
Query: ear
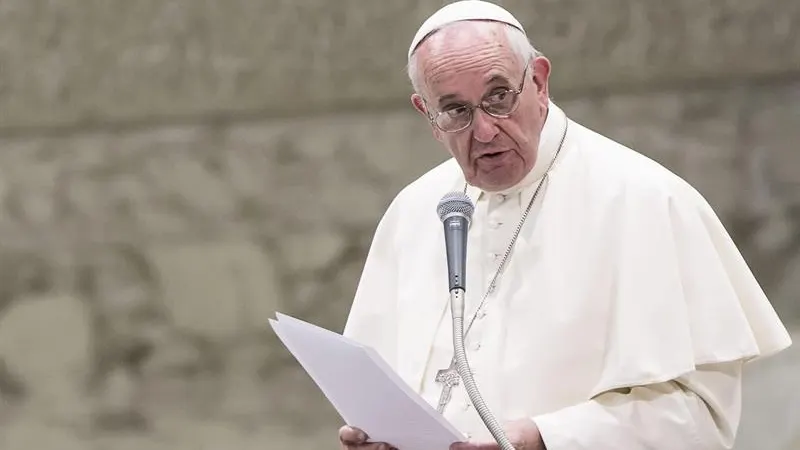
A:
541	77
419	105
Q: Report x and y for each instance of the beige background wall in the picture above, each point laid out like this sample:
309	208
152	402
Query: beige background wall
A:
173	172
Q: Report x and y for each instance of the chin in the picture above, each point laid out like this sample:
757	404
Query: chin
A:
494	186
500	183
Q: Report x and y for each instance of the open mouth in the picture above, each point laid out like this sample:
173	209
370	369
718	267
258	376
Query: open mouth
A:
492	155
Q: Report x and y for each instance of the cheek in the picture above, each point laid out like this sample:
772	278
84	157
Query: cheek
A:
458	145
525	129
519	131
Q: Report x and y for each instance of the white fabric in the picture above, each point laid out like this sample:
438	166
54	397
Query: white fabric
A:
700	410
622	277
462	10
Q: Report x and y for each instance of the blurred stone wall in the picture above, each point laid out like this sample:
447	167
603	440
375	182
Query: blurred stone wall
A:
173	172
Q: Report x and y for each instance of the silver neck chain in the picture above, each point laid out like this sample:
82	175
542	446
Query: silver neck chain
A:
517	230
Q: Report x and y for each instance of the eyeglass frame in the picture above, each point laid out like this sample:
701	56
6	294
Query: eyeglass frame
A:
516	92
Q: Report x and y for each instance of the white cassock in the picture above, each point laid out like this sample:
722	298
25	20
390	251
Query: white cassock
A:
623	317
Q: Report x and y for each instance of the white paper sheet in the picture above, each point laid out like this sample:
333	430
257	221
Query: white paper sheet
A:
364	389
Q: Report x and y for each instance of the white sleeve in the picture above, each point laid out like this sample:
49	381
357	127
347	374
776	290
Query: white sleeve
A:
698	411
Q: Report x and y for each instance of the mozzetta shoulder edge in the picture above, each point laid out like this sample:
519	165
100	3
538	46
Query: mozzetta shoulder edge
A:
639	179
433	180
423	194
418	198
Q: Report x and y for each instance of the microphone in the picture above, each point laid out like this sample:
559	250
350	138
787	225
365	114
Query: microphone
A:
455	211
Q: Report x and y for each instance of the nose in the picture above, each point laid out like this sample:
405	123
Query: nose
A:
484	127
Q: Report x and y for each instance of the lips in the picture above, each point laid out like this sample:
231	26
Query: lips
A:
492	154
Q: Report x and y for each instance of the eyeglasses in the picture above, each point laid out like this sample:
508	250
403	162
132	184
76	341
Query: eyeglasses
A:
500	103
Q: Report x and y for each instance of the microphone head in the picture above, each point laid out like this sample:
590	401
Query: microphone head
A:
455	202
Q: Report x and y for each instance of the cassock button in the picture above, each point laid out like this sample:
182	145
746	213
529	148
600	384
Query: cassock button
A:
468	436
482	314
495	224
476	346
466	406
501	198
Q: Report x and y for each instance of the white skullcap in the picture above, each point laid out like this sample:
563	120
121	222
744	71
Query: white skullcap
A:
462	10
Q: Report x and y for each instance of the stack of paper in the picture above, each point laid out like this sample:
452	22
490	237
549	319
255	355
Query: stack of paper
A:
364	389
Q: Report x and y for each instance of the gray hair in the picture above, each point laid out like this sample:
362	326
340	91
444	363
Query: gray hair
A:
519	42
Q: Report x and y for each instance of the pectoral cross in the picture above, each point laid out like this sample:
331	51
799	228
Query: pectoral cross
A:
449	379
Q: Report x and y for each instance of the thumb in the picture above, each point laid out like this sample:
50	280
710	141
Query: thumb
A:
351	435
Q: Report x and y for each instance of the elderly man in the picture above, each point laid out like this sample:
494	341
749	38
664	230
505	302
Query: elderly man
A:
608	308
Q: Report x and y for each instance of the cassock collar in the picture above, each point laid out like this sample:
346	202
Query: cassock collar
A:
548	146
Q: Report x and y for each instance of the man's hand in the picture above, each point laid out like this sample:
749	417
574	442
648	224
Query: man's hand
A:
523	434
355	439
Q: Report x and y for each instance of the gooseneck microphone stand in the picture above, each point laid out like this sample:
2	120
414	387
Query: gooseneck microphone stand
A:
462	365
455	210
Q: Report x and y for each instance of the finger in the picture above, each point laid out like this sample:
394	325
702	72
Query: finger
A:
352	436
370	446
381	446
474	446
376	446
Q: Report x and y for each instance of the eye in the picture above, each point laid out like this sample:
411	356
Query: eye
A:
456	110
498	96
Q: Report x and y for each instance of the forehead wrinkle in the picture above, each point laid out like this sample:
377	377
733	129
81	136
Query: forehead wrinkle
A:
479	49
481	68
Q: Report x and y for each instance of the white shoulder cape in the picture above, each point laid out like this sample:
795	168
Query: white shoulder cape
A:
629	275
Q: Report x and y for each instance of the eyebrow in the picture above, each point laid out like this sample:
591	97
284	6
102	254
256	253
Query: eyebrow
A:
493	79
496	78
446	98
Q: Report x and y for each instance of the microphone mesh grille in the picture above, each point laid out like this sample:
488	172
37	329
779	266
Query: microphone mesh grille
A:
455	202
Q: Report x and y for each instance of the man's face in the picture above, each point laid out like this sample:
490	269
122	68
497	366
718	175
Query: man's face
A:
471	62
